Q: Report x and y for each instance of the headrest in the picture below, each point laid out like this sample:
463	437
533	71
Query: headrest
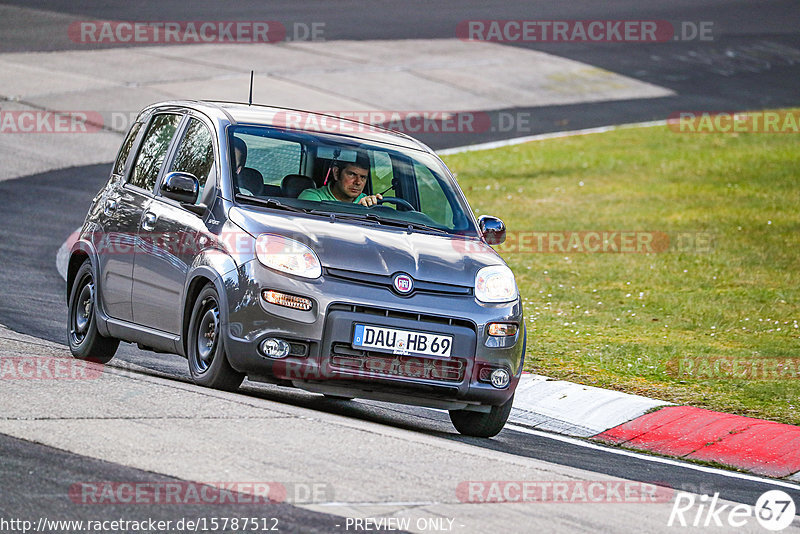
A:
252	180
294	184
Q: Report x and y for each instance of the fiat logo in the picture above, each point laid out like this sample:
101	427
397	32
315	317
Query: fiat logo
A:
403	284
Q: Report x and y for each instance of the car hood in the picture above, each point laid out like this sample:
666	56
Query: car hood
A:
377	250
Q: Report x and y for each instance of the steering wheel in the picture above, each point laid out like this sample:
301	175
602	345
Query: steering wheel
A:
402	204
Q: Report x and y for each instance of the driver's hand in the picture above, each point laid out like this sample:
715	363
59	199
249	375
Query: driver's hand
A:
370	200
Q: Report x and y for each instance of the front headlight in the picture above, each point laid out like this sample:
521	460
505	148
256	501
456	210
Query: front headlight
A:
288	256
495	284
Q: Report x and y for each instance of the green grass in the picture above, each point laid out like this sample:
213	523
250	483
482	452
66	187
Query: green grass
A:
622	321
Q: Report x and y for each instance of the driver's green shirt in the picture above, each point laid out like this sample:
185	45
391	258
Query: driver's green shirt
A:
323	193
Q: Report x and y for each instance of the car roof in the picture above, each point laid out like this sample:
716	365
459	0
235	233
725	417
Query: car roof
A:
278	117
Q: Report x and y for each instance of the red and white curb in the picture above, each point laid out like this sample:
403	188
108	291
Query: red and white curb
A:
754	445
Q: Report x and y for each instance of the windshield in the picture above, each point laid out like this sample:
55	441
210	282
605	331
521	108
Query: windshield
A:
308	172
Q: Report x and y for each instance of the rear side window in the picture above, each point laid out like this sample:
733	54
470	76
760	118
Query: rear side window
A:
273	158
154	148
125	149
195	153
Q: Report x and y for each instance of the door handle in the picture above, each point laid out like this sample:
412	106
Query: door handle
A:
110	207
149	221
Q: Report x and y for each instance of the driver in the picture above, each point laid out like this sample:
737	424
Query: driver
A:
347	184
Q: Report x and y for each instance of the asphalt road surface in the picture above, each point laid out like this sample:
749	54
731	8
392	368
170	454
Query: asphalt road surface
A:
752	62
34	303
749	57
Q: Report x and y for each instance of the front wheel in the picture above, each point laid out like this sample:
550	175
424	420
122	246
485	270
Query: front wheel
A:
480	424
205	345
85	342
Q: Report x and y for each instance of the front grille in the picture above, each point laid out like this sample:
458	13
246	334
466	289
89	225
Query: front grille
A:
378	363
420	317
385	281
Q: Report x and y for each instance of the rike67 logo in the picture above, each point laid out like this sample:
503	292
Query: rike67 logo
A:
774	510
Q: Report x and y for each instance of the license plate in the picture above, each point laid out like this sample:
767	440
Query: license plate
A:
402	341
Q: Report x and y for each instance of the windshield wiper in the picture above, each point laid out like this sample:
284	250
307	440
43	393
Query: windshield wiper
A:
268	202
334	215
393	222
427	227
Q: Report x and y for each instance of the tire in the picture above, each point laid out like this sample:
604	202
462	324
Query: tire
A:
205	346
479	424
85	342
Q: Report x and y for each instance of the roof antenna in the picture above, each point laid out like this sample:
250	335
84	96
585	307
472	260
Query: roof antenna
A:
250	100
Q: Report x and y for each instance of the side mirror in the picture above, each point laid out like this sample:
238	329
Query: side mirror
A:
493	229
180	186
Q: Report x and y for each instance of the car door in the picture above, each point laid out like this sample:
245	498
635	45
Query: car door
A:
117	221
127	204
169	232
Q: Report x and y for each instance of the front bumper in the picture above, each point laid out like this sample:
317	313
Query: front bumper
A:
325	361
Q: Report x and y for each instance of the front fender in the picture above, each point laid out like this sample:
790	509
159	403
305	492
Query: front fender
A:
218	268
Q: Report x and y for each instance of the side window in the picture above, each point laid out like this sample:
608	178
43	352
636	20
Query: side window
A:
125	149
154	148
433	201
195	153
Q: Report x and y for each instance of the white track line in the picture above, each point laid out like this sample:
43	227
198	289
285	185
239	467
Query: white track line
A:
655	459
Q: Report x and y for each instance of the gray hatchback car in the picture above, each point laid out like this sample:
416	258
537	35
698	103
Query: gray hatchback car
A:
231	234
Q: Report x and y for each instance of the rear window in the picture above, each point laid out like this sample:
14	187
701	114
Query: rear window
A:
125	149
273	158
